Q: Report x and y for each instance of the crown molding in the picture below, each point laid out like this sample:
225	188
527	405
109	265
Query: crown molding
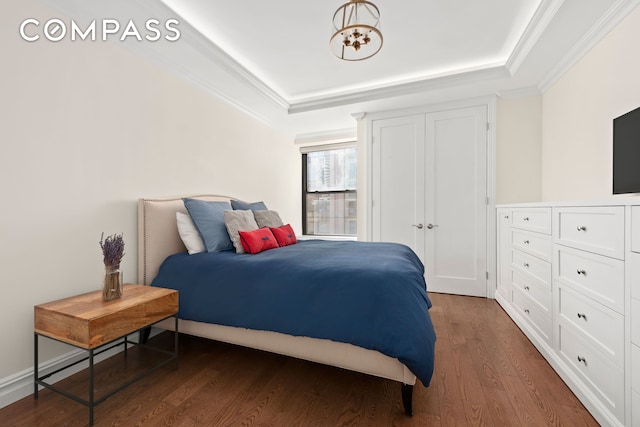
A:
202	63
536	27
194	58
212	51
615	14
399	89
520	92
338	135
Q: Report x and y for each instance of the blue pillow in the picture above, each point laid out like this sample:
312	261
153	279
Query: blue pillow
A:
208	218
237	205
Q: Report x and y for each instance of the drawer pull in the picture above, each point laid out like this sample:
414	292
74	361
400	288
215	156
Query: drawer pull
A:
583	360
526	264
526	242
526	288
526	310
582	316
582	228
581	272
526	218
506	217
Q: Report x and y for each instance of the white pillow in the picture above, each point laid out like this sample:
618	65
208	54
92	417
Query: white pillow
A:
189	234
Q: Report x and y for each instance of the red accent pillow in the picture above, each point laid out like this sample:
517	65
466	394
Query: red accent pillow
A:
258	240
285	235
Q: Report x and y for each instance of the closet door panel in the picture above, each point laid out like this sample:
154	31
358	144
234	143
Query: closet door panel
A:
428	190
398	181
456	192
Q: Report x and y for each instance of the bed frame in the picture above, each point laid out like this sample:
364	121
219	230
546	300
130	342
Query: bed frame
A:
158	238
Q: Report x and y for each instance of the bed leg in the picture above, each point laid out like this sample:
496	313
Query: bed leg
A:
144	335
407	399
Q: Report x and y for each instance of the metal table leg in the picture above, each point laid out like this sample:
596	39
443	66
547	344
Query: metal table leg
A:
91	396
35	366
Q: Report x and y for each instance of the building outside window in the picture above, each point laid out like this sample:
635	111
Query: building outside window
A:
329	192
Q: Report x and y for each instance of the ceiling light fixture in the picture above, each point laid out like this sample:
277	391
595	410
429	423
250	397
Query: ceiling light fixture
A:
356	31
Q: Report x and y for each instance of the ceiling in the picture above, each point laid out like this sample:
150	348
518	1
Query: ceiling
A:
272	58
285	43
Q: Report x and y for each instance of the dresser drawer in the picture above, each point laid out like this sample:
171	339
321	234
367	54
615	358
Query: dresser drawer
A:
635	386
598	277
532	288
595	229
598	372
633	269
635	228
537	269
635	368
533	219
635	408
603	326
635	322
532	243
531	311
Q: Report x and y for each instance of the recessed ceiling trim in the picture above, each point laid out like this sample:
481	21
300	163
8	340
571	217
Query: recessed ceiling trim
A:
538	24
424	85
615	14
338	135
520	93
211	50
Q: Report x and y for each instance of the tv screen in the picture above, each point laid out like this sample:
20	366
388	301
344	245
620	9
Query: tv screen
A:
626	153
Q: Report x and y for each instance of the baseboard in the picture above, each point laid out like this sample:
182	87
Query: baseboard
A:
20	385
602	414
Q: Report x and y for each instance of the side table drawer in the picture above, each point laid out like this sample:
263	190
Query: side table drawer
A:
595	229
604	326
533	219
600	278
535	244
88	322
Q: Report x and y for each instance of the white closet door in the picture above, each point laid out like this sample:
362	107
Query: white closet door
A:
429	191
398	181
455	253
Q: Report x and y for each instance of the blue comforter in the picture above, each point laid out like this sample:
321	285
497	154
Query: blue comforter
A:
372	295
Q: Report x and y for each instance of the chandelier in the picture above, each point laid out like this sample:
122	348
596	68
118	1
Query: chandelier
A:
356	31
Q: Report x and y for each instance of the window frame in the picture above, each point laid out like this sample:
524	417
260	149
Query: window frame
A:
305	151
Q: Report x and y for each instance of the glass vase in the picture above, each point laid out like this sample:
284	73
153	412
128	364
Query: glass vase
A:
112	287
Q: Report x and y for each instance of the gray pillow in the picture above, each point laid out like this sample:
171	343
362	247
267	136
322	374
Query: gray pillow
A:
209	220
269	219
237	221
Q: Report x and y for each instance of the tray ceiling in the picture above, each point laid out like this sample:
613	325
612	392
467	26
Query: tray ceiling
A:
272	58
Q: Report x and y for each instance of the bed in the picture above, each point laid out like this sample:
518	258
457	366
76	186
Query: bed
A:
159	245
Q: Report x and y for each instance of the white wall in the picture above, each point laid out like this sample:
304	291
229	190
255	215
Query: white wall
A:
86	129
578	112
518	150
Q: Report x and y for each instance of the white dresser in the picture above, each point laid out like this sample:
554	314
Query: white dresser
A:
569	276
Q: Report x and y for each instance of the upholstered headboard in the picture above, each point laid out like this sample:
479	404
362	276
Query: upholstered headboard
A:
158	233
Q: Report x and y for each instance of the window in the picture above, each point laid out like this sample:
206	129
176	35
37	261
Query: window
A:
329	192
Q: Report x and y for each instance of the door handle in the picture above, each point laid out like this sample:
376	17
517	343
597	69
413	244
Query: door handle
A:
418	226
430	226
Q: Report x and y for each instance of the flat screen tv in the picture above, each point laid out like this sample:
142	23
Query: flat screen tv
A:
626	153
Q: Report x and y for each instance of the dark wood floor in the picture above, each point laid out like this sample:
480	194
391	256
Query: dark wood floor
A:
486	373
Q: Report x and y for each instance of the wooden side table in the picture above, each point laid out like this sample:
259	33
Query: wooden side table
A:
87	322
